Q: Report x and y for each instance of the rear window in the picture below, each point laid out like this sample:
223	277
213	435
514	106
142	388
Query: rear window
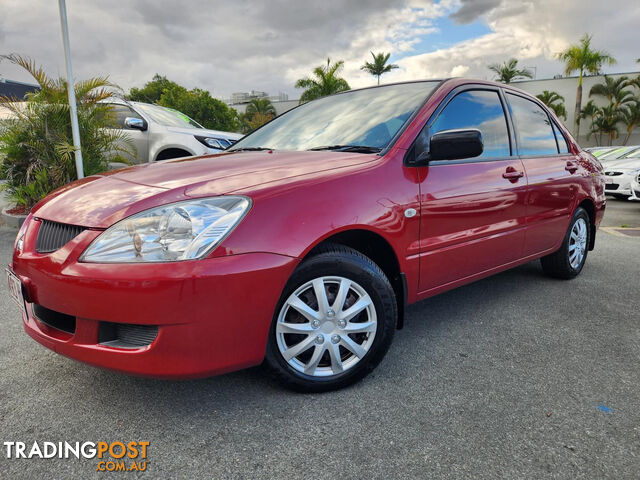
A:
533	127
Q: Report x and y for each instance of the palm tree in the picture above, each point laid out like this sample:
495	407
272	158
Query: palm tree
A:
258	112
630	116
326	82
509	71
582	58
554	101
613	90
36	143
606	122
261	105
379	65
591	111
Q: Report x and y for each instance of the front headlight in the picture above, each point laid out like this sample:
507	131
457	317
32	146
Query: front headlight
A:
211	142
178	231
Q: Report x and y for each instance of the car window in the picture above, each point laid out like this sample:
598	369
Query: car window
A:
167	117
118	114
479	109
533	127
370	117
563	146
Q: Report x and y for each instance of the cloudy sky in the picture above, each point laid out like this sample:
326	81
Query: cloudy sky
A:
238	45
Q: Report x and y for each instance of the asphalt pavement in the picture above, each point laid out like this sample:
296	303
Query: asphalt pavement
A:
515	376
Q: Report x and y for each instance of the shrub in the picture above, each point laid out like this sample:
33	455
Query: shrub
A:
36	147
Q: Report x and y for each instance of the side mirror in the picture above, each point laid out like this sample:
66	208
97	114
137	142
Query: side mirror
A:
135	123
455	144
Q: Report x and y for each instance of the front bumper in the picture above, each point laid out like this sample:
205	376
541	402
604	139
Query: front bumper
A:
212	315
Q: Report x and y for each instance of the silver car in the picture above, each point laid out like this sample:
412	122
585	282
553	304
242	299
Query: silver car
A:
160	133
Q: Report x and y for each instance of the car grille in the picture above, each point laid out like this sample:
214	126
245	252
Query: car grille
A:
613	174
611	186
53	235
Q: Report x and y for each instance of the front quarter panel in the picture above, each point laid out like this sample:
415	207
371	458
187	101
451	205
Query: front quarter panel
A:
290	218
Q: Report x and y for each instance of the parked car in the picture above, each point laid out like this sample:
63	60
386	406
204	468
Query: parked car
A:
620	173
635	186
301	245
598	151
160	133
617	153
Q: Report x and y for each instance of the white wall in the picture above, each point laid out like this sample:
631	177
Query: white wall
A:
566	87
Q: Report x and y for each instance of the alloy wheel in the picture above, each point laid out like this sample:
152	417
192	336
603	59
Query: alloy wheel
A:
577	243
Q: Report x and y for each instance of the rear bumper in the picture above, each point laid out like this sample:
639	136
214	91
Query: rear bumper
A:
212	316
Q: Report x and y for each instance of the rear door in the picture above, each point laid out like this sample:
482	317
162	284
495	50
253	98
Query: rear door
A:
472	210
552	171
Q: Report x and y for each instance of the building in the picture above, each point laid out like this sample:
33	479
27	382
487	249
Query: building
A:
13	89
238	98
566	87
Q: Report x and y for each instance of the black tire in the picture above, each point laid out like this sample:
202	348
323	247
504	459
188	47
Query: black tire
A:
558	265
338	261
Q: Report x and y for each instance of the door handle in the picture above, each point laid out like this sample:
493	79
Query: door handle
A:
571	167
512	174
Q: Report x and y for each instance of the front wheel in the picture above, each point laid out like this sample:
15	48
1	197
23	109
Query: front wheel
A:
334	322
568	261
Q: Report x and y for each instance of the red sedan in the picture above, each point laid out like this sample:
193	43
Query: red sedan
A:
300	246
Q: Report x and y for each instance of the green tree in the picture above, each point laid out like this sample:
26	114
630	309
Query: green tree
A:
152	91
196	103
326	82
554	101
379	65
606	123
583	59
630	117
614	90
36	146
591	111
201	106
258	112
509	71
261	105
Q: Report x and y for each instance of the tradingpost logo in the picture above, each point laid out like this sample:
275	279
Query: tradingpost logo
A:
111	456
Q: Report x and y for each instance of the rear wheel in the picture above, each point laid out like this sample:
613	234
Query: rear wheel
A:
568	261
334	322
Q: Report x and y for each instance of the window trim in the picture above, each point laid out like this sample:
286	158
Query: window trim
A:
443	104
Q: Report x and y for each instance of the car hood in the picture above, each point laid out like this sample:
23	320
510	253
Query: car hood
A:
101	200
203	132
622	164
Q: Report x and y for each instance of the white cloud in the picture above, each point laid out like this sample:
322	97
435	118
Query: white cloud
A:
226	46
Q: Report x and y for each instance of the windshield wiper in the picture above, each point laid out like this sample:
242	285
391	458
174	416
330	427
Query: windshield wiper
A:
250	149
349	148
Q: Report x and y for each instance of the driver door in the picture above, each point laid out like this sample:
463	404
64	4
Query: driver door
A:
472	210
139	138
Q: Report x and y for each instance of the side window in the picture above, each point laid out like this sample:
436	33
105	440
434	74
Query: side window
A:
480	109
563	146
533	127
118	113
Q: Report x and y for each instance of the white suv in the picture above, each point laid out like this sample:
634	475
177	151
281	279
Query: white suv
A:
160	133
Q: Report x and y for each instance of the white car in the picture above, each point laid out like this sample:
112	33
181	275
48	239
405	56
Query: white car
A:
635	187
619	175
160	133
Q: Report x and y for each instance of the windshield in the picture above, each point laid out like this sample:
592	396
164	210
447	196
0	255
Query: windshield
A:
167	116
364	118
